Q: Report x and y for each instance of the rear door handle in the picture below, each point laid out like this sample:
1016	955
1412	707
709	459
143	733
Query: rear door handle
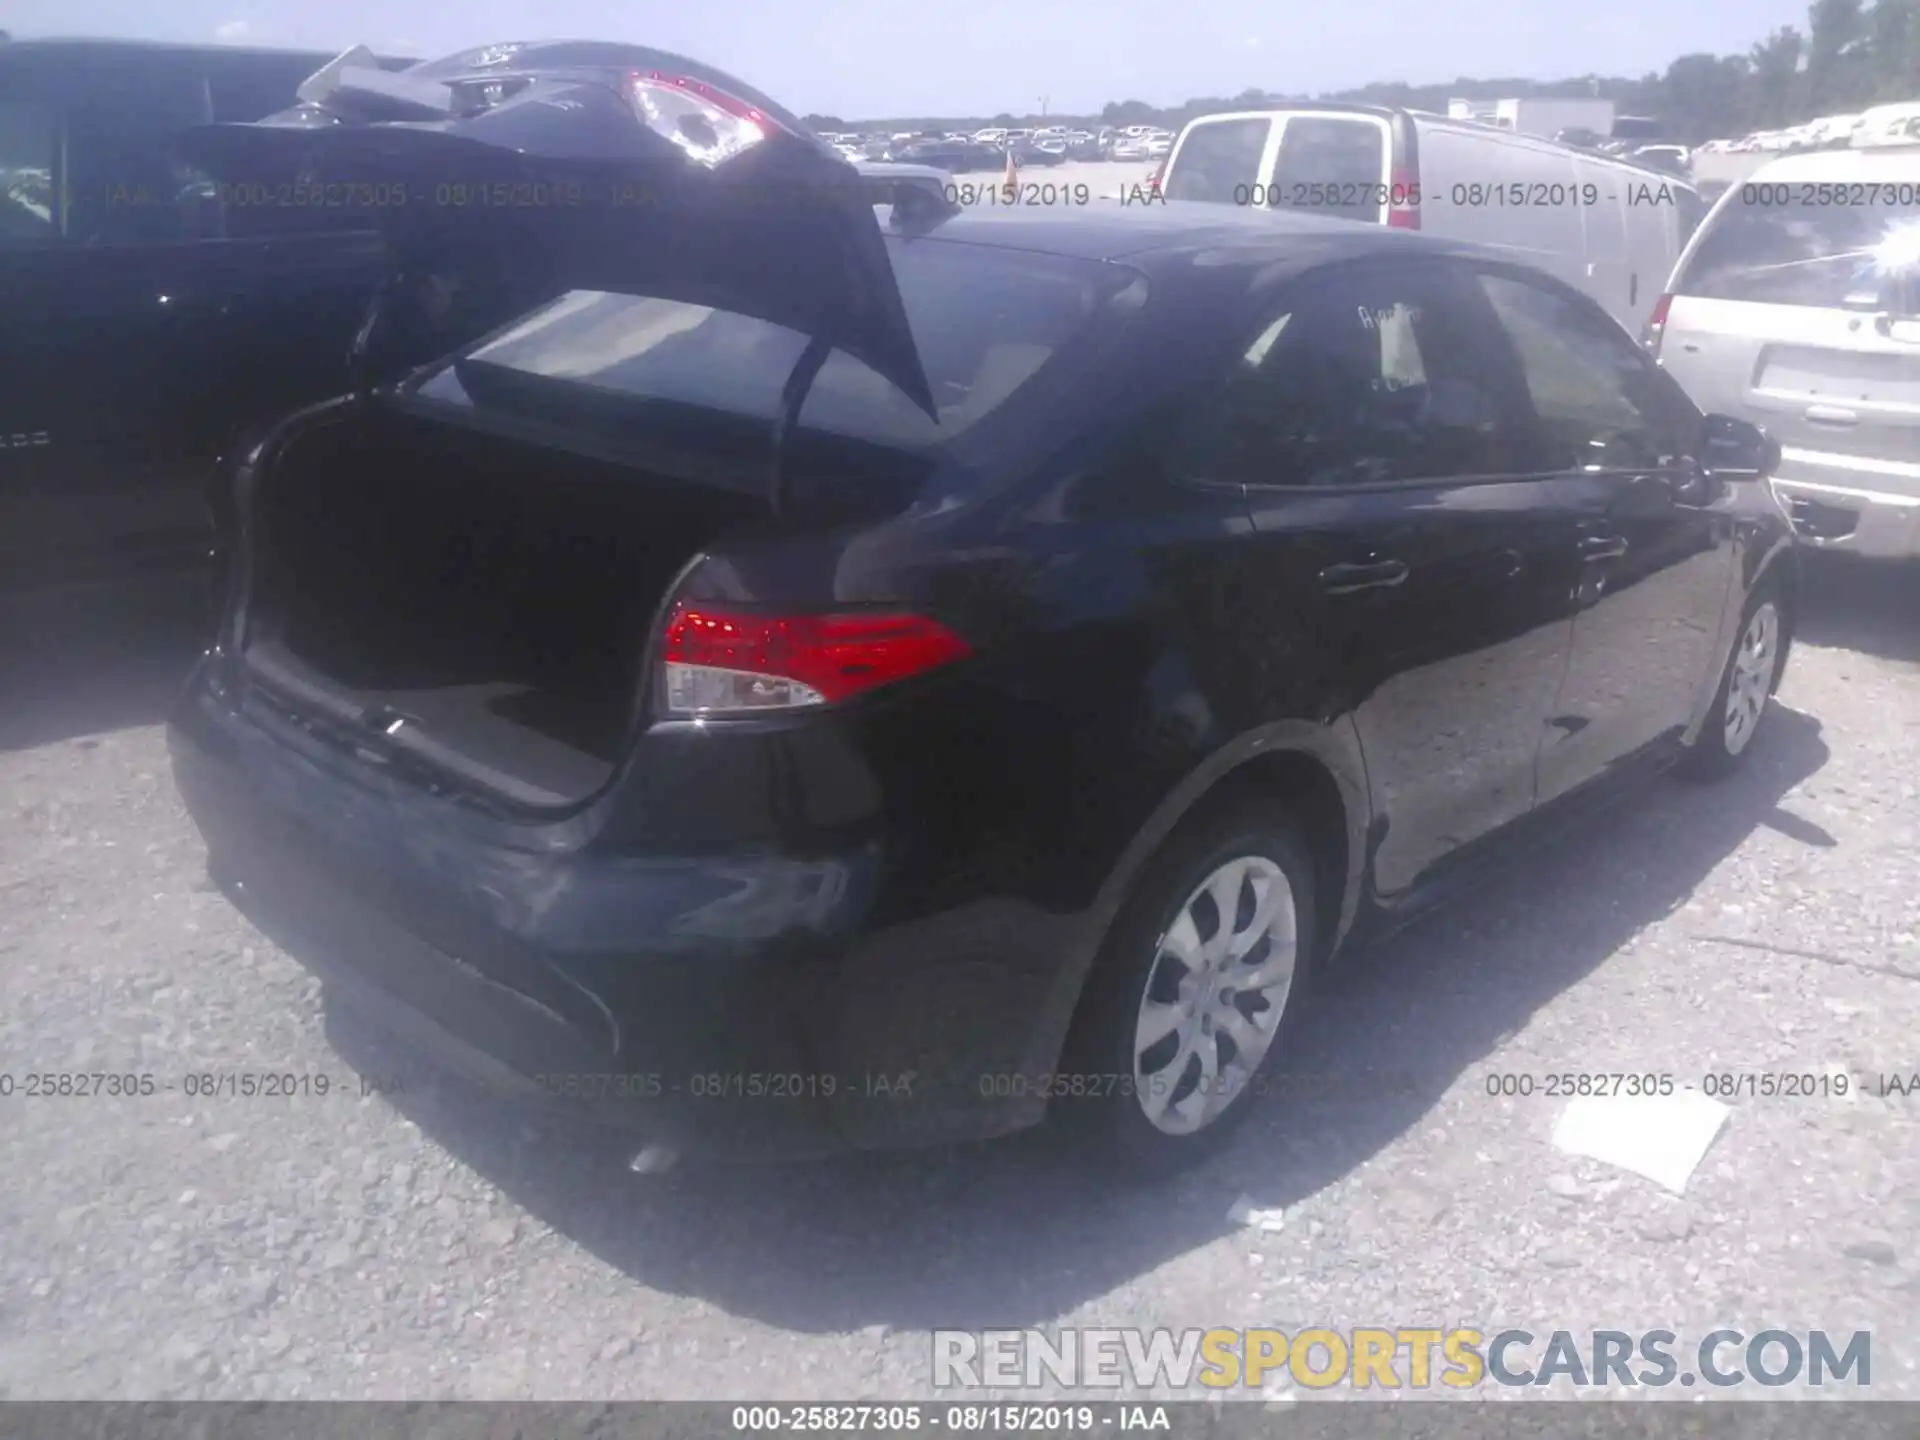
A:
1371	575
1602	547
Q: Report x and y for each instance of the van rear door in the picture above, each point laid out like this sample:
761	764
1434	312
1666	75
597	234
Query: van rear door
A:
1334	163
1219	160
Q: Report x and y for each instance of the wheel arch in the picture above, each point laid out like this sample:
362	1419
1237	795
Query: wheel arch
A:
1315	771
1781	567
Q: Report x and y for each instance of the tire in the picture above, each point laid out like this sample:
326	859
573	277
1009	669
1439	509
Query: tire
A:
1248	848
1747	682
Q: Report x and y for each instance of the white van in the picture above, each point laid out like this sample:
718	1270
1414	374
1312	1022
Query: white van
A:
1611	228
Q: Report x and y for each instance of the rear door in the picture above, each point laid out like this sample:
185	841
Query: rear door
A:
1654	534
1411	575
151	311
1332	163
111	323
1805	318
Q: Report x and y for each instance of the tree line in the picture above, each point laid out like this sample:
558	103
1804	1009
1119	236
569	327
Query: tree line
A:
1852	54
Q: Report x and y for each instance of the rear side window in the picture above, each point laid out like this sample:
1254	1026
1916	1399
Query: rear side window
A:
1372	379
29	214
1332	165
1595	395
1767	245
1219	161
986	321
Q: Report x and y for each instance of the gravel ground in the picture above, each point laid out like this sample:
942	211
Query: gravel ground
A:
420	1244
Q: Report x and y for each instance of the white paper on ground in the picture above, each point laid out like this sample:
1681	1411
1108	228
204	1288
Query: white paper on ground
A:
1244	1212
1662	1137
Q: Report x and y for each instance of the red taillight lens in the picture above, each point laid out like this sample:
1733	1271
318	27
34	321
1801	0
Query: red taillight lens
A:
1656	324
1403	199
1153	180
721	661
708	124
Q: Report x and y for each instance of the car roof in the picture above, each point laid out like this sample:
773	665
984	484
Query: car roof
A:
1841	166
1173	233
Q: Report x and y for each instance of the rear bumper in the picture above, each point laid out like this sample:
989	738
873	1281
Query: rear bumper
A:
1862	509
747	1006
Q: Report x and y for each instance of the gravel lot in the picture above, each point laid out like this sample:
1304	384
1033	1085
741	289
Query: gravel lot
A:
423	1244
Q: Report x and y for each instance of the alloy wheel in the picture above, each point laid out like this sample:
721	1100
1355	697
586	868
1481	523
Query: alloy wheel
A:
1751	680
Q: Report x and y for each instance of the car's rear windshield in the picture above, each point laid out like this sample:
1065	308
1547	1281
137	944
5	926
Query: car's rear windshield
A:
1807	244
986	321
1219	161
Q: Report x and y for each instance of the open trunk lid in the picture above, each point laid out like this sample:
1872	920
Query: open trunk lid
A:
582	165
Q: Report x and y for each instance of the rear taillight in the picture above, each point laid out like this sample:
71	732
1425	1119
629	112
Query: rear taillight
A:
722	661
1403	199
1153	180
708	124
1656	325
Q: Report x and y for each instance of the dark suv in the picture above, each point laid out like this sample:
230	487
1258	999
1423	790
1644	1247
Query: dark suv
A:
149	312
816	682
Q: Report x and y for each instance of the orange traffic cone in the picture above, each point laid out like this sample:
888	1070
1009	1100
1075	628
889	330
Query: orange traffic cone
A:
1011	182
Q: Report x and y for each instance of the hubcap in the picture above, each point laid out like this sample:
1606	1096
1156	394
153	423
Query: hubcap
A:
1215	994
1752	678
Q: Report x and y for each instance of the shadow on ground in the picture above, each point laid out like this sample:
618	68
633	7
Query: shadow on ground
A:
87	663
1020	1231
1870	606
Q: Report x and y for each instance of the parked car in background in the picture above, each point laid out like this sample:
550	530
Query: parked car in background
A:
150	315
1580	138
1026	152
1805	319
1129	147
1674	159
1605	226
912	195
956	157
1885	125
1032	645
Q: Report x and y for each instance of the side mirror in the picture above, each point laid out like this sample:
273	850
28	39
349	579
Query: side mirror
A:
1737	450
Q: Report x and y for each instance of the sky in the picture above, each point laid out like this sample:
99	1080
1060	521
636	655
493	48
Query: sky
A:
979	57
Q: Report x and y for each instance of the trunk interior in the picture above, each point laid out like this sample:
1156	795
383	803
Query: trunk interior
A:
495	596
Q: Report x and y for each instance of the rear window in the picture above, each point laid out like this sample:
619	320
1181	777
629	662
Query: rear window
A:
1219	161
1768	246
1332	165
986	322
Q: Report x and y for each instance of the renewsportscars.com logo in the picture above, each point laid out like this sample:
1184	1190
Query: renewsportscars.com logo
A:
1392	1358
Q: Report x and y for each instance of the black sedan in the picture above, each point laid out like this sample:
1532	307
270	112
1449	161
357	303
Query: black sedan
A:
798	684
